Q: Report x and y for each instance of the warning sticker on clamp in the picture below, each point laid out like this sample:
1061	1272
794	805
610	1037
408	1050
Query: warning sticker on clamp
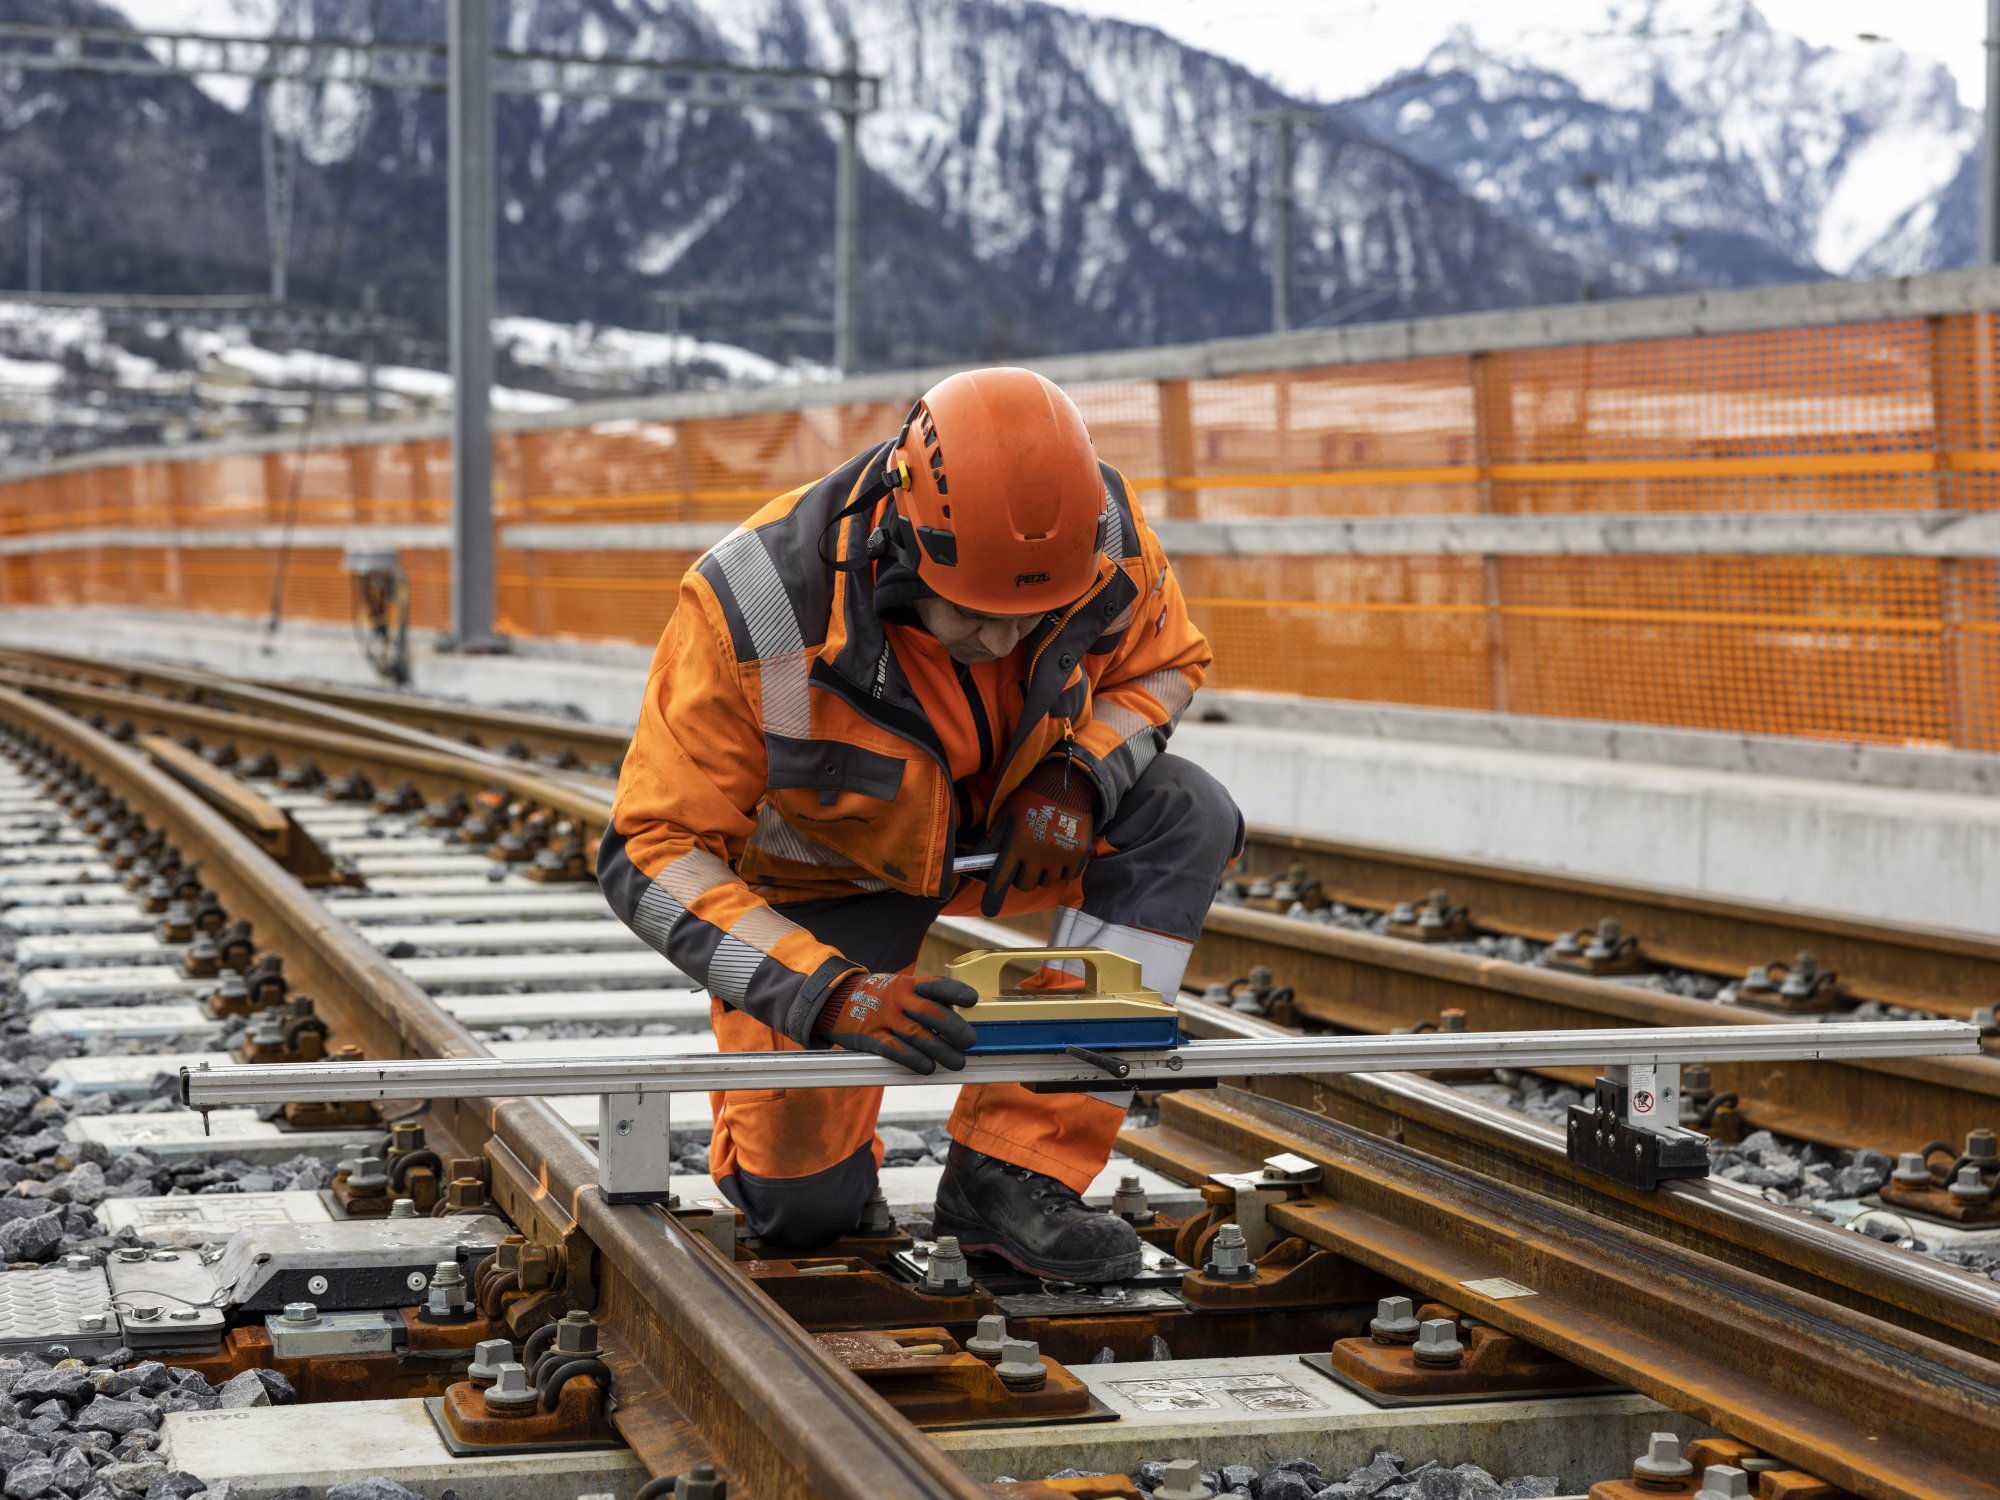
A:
1217	1393
1499	1288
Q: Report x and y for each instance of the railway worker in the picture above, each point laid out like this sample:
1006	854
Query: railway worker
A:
965	637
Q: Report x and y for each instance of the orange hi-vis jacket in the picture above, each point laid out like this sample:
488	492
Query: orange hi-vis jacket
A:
782	755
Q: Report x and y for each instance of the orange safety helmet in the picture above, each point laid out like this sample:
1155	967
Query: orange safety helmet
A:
999	489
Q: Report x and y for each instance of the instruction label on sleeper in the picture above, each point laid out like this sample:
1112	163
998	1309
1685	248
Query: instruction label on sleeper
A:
1217	1393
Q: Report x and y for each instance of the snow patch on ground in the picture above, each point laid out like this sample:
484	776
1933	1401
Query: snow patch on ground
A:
588	349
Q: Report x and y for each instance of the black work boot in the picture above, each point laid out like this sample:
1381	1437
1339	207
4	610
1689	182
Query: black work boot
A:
1036	1223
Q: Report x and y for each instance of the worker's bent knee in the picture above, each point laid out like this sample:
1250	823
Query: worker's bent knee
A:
1177	806
802	1213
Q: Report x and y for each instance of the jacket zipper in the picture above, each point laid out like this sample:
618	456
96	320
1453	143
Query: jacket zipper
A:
977	705
1067	725
1062	624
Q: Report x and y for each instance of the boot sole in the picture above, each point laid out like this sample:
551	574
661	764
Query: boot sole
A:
979	1239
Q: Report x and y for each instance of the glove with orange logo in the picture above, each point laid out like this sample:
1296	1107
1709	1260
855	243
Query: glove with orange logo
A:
908	1020
1042	834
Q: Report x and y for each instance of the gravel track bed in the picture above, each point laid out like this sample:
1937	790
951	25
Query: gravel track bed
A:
1387	1476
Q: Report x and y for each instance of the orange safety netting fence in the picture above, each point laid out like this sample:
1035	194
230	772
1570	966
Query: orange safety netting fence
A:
1896	415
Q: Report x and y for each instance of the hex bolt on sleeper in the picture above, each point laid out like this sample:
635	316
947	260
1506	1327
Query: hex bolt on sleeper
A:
1970	1187
1438	1346
702	1482
1229	1256
1129	1202
576	1334
512	1393
488	1355
1723	1482
1395	1321
990	1339
447	1297
946	1271
876	1217
1021	1366
1181	1480
1911	1171
1661	1465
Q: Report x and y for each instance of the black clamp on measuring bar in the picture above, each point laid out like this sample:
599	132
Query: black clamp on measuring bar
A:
1631	1130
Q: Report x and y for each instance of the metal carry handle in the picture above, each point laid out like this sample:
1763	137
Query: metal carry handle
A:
1104	972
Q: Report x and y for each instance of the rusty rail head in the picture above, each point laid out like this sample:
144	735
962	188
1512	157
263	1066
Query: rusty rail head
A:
1941	1302
436	768
700	1342
1858	1401
1361	982
411	720
541	733
1939	969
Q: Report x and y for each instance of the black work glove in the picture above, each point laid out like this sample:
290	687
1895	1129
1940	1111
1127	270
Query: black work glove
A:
907	1019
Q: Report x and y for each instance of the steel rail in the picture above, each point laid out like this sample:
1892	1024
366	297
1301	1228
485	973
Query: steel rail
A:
542	734
1236	1057
382	752
708	1367
279	703
1350	980
1361	982
1858	1401
1706	1215
1937	969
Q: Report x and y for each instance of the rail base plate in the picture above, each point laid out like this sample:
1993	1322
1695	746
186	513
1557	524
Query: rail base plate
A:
1324	1364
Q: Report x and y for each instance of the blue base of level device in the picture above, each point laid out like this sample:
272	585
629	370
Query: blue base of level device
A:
1054	1036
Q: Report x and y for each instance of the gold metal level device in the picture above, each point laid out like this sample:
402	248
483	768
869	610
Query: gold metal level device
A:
1113	1011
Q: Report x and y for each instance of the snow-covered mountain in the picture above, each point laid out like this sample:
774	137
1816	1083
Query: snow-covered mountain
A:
1691	136
1730	140
1036	181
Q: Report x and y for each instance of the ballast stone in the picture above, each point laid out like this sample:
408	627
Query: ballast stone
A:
374	1488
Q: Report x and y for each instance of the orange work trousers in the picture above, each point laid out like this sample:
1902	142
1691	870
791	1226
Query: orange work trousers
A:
771	1135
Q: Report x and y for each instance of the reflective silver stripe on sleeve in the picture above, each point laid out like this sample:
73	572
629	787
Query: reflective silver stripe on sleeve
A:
730	970
766	608
1167	686
1111	529
669	894
1127	724
1170	686
762	928
694	874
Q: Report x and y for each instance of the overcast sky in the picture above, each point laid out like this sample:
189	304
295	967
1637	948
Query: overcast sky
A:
1349	45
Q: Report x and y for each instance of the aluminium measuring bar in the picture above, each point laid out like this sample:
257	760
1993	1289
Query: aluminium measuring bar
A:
484	1077
635	1095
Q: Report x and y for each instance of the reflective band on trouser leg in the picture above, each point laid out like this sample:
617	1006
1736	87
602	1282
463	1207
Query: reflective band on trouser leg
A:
1162	960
